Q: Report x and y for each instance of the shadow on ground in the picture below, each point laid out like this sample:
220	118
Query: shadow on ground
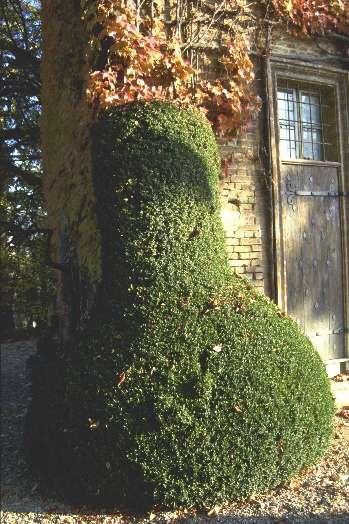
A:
24	501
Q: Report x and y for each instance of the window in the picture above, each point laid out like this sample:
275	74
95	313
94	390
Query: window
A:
304	130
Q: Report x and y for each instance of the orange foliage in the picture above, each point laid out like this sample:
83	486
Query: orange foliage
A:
136	58
230	102
143	63
315	16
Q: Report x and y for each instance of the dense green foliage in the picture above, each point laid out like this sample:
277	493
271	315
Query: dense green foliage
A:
188	388
26	283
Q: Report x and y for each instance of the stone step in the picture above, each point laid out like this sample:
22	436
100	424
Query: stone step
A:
340	392
336	366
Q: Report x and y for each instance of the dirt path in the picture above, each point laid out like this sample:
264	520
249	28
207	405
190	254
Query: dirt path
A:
321	496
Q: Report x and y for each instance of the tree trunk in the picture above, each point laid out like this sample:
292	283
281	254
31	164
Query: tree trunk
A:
66	149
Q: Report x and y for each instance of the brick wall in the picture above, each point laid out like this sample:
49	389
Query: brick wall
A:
246	207
239	197
246	190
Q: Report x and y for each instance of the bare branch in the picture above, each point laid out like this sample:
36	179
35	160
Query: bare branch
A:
20	133
9	171
23	55
28	232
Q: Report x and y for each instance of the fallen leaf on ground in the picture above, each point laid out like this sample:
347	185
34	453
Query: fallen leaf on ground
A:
343	413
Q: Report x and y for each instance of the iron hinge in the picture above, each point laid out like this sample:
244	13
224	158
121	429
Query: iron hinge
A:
317	193
338	331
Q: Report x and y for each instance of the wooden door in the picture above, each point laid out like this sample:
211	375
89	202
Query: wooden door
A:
311	229
313	254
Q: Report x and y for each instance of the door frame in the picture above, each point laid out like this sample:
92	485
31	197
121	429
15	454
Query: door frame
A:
338	80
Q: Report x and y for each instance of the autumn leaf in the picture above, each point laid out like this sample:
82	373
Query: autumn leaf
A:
121	378
93	424
145	62
151	63
289	6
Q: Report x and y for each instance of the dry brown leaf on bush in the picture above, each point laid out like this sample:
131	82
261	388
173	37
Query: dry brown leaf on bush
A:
213	512
121	378
93	424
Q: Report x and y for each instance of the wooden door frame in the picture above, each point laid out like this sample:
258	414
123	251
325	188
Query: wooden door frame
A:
338	80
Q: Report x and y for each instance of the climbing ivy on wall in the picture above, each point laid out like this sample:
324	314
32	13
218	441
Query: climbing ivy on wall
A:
161	50
314	17
151	52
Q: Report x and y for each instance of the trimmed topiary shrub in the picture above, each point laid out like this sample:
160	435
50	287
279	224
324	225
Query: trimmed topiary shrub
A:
187	387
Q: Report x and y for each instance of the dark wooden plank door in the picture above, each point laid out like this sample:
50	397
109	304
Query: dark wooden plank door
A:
312	244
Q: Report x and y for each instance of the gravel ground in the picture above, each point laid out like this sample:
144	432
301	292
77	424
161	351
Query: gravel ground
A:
319	496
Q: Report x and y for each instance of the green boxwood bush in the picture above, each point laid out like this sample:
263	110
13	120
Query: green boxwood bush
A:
187	388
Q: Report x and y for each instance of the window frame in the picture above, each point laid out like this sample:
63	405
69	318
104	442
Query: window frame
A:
296	146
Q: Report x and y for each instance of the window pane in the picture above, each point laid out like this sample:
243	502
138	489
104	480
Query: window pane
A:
312	143
293	152
316	134
310	109
287	112
314	99
315	114
307	134
285	151
305	99
308	151
283	105
317	151
284	135
306	113
306	121
292	136
317	144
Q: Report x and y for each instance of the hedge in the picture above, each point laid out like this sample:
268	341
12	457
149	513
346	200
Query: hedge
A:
186	388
